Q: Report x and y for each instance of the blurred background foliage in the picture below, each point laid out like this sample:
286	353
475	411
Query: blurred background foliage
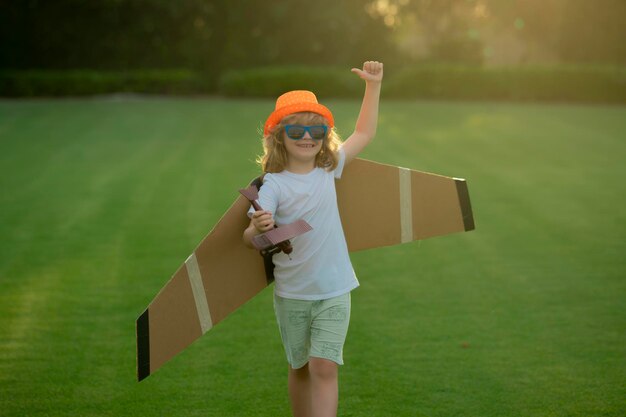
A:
60	47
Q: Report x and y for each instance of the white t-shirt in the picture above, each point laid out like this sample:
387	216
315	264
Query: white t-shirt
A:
320	266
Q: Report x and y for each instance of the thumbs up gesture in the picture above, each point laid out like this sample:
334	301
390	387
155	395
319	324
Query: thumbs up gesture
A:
372	71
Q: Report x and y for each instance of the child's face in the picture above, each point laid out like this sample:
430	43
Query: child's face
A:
303	150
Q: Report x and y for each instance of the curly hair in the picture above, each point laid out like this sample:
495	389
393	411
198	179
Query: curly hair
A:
274	158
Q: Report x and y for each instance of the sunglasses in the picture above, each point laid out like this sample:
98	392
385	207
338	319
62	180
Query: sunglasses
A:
297	132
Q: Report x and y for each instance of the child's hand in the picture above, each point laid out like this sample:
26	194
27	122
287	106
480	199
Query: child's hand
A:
372	71
262	221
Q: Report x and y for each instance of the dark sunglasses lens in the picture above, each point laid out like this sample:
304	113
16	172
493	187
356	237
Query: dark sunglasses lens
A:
295	132
318	132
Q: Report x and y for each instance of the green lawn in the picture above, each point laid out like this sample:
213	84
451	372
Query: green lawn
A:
102	200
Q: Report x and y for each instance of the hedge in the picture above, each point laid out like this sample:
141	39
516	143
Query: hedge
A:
14	83
559	83
273	81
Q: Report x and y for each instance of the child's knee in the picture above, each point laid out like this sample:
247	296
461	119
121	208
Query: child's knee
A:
302	372
322	368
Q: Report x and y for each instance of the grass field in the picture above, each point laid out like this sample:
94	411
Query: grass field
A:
102	200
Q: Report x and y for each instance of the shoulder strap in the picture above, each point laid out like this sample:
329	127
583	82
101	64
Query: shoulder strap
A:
258	182
267	255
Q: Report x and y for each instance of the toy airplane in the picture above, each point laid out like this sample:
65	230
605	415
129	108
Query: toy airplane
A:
222	273
276	240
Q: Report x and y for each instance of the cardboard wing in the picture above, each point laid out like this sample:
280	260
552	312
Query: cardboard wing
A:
222	273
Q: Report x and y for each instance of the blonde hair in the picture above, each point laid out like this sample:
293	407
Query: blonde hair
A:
274	158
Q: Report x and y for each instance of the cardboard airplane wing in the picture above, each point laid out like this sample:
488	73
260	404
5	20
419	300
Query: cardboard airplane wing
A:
222	273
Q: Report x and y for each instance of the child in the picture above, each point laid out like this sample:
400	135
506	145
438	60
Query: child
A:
303	155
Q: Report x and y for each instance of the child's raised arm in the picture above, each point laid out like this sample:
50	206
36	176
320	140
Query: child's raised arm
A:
365	128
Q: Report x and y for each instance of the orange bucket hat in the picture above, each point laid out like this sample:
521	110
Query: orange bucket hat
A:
294	102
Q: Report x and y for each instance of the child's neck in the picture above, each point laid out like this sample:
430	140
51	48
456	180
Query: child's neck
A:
300	167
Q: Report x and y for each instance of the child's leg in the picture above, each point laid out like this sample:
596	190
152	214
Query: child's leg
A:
300	391
315	381
324	387
294	319
313	335
329	326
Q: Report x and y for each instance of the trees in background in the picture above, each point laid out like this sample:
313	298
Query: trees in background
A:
507	32
213	36
199	34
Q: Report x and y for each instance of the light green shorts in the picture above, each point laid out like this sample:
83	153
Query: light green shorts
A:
313	328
